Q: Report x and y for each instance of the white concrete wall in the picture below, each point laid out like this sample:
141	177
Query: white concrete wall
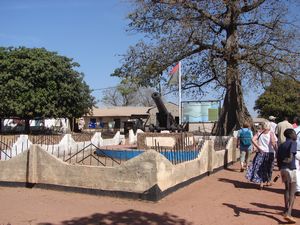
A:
15	169
136	175
170	175
205	127
133	137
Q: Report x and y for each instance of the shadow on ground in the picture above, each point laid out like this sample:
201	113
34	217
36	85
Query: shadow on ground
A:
131	217
248	185
239	210
295	212
232	170
239	184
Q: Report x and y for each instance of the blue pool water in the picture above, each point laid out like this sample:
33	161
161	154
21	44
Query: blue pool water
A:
119	154
180	156
129	154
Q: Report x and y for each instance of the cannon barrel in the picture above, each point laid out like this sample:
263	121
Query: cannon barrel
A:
165	120
159	103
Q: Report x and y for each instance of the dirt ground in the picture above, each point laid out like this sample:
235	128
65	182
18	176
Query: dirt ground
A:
224	198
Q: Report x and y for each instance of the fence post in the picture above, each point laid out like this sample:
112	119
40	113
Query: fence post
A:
232	145
31	172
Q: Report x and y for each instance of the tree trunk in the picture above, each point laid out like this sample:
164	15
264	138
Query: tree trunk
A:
234	112
27	126
71	122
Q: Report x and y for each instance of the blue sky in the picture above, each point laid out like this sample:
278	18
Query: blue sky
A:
92	32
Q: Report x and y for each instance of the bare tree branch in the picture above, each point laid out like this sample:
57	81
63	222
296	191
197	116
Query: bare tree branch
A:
207	15
254	5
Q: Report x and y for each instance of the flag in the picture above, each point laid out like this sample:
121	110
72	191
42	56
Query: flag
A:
174	75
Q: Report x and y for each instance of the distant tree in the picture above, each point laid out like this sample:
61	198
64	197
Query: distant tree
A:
143	96
223	44
281	98
36	83
127	95
117	96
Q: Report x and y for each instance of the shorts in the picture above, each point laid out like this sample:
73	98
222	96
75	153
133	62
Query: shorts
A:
288	175
244	157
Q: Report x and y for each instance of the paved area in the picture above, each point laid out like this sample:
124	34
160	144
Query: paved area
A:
224	198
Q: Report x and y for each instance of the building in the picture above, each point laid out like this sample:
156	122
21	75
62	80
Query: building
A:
124	117
114	117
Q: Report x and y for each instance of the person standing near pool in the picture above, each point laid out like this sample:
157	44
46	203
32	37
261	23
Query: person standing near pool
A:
297	130
272	123
244	143
261	169
287	165
281	127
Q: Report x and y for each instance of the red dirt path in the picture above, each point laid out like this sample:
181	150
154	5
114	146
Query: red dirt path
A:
224	198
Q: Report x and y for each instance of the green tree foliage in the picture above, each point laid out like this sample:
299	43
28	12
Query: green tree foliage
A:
222	44
281	98
38	83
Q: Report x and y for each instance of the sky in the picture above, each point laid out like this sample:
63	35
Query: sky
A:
92	32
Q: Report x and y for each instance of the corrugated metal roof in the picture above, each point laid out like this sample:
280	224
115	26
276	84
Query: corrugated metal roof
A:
120	111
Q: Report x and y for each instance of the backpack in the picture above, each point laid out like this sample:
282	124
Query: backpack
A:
245	137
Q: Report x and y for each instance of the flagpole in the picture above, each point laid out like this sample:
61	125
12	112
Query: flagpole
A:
179	93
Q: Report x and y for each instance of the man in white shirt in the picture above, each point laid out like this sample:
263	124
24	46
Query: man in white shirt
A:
281	127
272	123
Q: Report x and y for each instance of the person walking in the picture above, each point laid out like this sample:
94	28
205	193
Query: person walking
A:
286	163
261	169
244	143
295	125
272	123
281	127
297	130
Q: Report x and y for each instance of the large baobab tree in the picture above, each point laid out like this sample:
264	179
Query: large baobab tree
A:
228	44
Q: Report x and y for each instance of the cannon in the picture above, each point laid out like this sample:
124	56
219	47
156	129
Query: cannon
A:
165	120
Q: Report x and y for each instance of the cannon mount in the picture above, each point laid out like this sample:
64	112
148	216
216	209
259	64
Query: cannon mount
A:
165	120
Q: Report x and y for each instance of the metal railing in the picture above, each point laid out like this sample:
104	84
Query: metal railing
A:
182	151
5	151
220	143
45	139
82	137
89	155
6	146
84	153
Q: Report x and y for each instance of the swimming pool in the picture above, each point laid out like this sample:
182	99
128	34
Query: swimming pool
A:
119	154
173	156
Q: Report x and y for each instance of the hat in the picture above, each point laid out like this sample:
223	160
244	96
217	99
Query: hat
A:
272	117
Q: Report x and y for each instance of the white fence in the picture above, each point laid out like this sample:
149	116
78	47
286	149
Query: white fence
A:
67	144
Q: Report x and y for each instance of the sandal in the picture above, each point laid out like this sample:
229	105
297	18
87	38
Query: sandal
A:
289	219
